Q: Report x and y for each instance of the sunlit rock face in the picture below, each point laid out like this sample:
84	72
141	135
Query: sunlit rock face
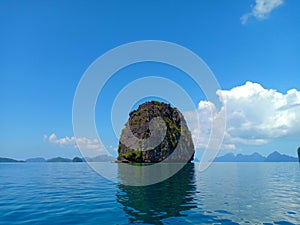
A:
156	132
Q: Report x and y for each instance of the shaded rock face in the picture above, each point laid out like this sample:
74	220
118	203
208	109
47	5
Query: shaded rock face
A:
168	138
299	154
77	159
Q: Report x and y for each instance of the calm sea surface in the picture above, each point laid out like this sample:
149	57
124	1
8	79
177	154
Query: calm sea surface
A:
226	193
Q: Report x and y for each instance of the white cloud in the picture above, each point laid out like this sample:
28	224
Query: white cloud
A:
254	116
262	9
82	142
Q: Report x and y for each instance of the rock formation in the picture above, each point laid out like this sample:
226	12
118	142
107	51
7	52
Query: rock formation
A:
156	132
299	154
77	159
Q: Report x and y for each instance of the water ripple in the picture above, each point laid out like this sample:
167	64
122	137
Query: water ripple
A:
227	193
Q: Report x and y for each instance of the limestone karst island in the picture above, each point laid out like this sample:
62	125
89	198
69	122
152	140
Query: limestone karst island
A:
156	132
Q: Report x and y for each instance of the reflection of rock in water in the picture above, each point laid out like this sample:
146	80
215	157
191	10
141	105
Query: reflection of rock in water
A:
153	203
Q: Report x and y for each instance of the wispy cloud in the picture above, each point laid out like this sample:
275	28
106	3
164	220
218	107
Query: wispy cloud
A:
261	9
81	142
255	116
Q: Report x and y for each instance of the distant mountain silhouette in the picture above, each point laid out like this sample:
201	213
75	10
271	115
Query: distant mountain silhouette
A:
9	160
59	159
100	158
38	159
77	159
229	157
277	157
256	157
196	160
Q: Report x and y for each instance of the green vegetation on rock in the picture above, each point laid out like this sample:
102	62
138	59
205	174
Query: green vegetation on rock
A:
133	155
176	129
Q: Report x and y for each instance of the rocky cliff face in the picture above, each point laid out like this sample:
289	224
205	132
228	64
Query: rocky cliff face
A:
299	154
156	132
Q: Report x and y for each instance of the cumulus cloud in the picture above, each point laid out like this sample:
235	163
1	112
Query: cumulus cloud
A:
254	116
261	9
81	142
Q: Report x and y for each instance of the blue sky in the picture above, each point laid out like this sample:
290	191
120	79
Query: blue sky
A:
46	46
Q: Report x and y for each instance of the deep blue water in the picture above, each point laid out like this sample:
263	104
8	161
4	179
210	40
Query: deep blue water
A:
226	193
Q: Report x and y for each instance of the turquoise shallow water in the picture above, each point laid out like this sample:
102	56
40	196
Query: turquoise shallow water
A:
226	193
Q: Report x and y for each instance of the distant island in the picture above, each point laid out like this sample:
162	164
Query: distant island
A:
256	157
100	158
229	157
9	160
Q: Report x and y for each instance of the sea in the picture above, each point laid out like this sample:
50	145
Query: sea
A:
225	193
